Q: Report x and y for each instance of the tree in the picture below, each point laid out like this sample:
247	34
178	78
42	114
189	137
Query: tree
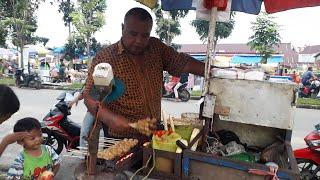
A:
266	36
20	22
76	47
88	19
168	25
67	7
42	40
222	31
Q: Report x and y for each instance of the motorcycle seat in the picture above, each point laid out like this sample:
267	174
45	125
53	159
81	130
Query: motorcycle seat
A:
71	127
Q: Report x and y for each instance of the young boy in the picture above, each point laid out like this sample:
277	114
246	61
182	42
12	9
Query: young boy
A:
35	157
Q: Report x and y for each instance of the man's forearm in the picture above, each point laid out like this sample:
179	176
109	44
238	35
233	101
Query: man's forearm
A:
194	67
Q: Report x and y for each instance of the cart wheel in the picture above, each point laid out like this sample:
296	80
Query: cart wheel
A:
120	176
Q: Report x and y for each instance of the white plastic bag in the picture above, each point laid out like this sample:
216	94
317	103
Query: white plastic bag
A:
254	75
228	73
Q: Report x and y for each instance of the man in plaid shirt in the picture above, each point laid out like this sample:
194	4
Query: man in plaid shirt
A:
138	60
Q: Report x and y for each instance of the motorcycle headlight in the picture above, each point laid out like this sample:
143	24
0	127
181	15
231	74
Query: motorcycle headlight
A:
314	143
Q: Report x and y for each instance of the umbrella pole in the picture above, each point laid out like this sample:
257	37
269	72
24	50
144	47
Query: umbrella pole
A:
210	55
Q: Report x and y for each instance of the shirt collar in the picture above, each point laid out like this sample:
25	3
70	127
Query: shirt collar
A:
121	48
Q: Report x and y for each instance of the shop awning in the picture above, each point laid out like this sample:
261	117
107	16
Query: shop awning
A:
255	59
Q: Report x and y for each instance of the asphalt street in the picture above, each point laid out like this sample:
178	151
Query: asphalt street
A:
36	103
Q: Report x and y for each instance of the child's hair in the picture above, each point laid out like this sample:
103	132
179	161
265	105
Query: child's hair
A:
9	102
26	124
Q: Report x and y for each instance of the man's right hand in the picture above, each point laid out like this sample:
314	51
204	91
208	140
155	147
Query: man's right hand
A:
119	123
113	121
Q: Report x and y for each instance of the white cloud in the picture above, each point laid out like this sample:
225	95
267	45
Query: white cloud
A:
299	26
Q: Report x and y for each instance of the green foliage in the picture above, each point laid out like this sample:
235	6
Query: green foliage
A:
76	47
3	35
66	7
308	101
7	81
19	21
168	25
88	18
223	29
266	36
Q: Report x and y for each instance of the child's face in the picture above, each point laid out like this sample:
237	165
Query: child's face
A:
34	141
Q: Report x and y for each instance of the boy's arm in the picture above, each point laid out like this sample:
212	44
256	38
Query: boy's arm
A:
55	169
11	138
16	170
55	159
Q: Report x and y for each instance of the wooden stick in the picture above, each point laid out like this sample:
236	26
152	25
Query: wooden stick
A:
171	123
165	121
106	138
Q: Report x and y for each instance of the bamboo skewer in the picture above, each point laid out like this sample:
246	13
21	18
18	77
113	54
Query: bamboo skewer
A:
165	121
171	123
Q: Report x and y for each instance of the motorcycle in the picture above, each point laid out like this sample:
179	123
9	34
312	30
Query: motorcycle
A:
57	129
310	91
183	93
27	80
308	159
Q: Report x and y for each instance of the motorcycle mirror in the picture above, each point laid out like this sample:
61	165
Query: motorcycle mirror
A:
317	127
61	96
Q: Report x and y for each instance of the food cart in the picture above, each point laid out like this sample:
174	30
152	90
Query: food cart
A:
259	113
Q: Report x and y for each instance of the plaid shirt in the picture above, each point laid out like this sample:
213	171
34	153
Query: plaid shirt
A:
143	86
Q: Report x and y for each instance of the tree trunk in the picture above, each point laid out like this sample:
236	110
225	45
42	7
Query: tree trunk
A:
21	56
88	46
69	26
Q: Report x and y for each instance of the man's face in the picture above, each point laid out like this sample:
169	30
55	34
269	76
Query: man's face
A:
136	34
33	141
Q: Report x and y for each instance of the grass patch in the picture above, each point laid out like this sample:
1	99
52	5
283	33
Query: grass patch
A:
75	86
7	81
308	101
196	93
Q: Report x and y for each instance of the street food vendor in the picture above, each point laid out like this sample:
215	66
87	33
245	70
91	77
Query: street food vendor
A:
138	60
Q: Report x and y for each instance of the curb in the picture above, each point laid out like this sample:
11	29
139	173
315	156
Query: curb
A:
316	107
308	106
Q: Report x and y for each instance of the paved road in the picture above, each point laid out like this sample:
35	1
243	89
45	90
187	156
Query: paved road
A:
36	103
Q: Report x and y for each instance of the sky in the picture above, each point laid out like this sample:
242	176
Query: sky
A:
300	27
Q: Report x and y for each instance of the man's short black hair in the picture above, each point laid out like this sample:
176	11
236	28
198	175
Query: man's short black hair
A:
141	13
9	102
26	124
310	68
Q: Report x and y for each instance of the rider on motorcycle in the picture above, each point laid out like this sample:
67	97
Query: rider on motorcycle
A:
183	79
307	76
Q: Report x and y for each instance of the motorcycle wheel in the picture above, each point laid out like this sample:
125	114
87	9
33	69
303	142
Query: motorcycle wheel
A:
184	95
307	169
50	140
37	85
18	83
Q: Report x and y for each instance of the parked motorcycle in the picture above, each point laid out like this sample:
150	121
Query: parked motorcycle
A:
308	159
310	91
27	80
57	129
183	93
